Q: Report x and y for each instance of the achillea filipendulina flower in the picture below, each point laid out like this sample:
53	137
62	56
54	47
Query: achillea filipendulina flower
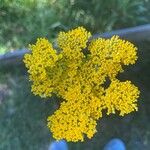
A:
79	78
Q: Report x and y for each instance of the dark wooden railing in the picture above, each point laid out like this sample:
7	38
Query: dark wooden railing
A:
134	34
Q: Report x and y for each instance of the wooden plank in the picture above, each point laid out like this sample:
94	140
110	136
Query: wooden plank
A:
13	58
134	34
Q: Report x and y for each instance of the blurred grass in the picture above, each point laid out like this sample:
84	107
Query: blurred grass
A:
22	21
23	115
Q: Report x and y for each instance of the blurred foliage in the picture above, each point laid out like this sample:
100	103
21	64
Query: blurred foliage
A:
105	15
22	21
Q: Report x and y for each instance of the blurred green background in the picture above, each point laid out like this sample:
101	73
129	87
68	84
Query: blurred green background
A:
23	115
22	21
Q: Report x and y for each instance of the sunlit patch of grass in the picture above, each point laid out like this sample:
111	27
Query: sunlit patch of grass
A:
3	49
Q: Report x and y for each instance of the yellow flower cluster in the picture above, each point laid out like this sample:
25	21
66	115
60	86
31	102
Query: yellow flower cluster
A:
121	96
78	73
76	116
43	57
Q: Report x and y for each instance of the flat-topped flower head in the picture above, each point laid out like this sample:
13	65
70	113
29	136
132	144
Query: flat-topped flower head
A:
79	78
